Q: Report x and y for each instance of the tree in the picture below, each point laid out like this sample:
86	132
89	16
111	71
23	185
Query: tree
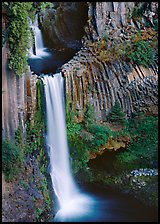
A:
117	115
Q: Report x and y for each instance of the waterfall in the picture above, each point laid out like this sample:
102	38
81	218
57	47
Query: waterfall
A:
39	49
69	197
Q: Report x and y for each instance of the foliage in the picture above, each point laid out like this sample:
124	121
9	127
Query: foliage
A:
116	114
89	116
12	159
143	55
5	4
4	37
100	136
39	213
139	10
35	138
155	27
142	151
20	36
41	6
73	128
19	138
84	138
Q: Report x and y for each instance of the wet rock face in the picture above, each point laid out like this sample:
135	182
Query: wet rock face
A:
64	25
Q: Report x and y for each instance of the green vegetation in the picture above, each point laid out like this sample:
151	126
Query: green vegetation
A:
15	153
12	159
84	138
44	210
138	10
35	137
142	151
88	137
39	213
140	45
20	38
141	49
24	184
19	138
143	54
155	27
117	115
41	6
4	37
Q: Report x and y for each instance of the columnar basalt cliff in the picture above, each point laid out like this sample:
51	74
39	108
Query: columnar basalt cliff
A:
90	79
18	98
105	18
18	93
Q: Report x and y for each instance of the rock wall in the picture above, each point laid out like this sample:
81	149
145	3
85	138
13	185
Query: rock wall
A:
18	98
63	26
90	80
104	18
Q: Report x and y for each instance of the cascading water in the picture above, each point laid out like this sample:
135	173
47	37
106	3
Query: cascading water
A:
71	201
43	59
40	50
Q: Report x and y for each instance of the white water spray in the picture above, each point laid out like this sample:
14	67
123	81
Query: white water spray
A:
40	50
71	201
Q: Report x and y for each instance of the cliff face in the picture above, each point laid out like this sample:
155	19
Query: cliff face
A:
63	26
89	80
106	16
92	80
18	98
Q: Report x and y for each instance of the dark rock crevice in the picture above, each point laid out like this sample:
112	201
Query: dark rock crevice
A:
64	26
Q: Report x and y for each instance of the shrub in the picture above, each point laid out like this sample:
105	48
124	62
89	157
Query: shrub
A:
143	54
12	159
100	136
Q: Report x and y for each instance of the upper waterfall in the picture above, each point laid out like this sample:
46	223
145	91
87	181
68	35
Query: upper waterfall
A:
40	50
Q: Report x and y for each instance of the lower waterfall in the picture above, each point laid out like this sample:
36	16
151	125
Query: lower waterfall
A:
71	200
